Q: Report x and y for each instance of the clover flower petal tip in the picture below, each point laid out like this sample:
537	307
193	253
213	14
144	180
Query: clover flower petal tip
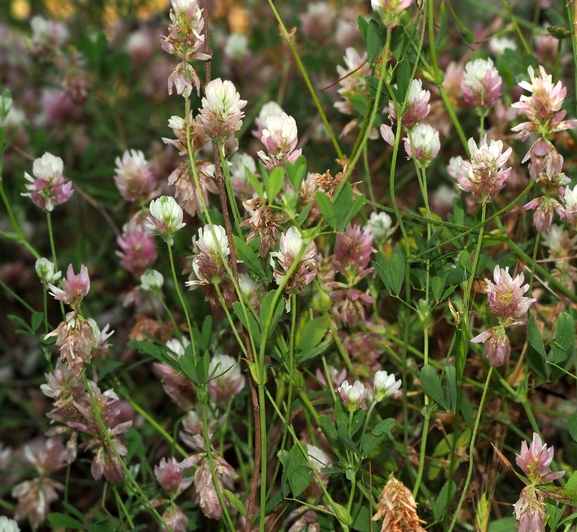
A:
165	217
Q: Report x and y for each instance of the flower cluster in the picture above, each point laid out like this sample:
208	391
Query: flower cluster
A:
506	301
165	218
134	178
481	85
48	188
280	138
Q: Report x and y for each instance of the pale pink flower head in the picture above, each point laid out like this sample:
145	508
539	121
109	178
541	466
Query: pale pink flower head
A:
543	107
483	175
212	249
390	11
49	188
497	345
280	138
535	461
530	511
175	518
137	251
165	218
384	385
352	79
353	250
47	36
417	107
34	498
291	244
170	475
221	115
481	85
353	396
46	456
226	379
422	144
381	226
544	207
268	109
74	287
505	295
75	339
134	178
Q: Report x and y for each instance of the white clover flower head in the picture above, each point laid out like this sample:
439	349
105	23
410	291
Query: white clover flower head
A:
176	123
180	6
45	271
425	144
475	71
319	458
498	45
455	167
385	385
269	109
353	396
554	237
481	84
221	115
222	96
47	166
152	281
247	285
223	366
280	133
381	226
293	241
210	243
236	46
165	217
178	347
8	525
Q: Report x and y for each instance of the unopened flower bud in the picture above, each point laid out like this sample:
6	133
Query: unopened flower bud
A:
152	281
165	218
46	273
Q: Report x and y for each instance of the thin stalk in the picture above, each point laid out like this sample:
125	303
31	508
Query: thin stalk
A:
104	431
509	9
16	296
51	237
535	250
122	507
472	449
263	457
229	191
288	37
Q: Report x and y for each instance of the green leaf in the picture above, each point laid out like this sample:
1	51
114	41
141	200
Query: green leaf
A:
468	35
63	520
269	315
403	80
534	337
154	351
437	286
391	270
249	324
273	183
19	321
110	367
312	334
442	28
36	320
445	495
296	172
248	256
363	28
384	427
565	331
375	41
327	210
356	205
451	373
235	502
358	421
298	472
255	182
572	426
432	385
71	508
327	427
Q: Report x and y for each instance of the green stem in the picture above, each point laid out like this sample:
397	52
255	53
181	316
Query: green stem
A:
51	237
288	37
16	296
229	191
507	5
264	458
122	507
105	433
472	449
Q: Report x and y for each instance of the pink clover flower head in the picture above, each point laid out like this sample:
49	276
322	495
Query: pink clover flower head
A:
483	176
137	250
497	345
353	250
390	11
175	518
417	107
422	144
353	396
544	207
212	252
34	498
134	178
280	138
165	218
535	461
505	295
385	385
74	287
46	456
352	79
226	379
49	189
170	475
221	115
543	107
291	244
481	84
152	281
45	271
530	511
